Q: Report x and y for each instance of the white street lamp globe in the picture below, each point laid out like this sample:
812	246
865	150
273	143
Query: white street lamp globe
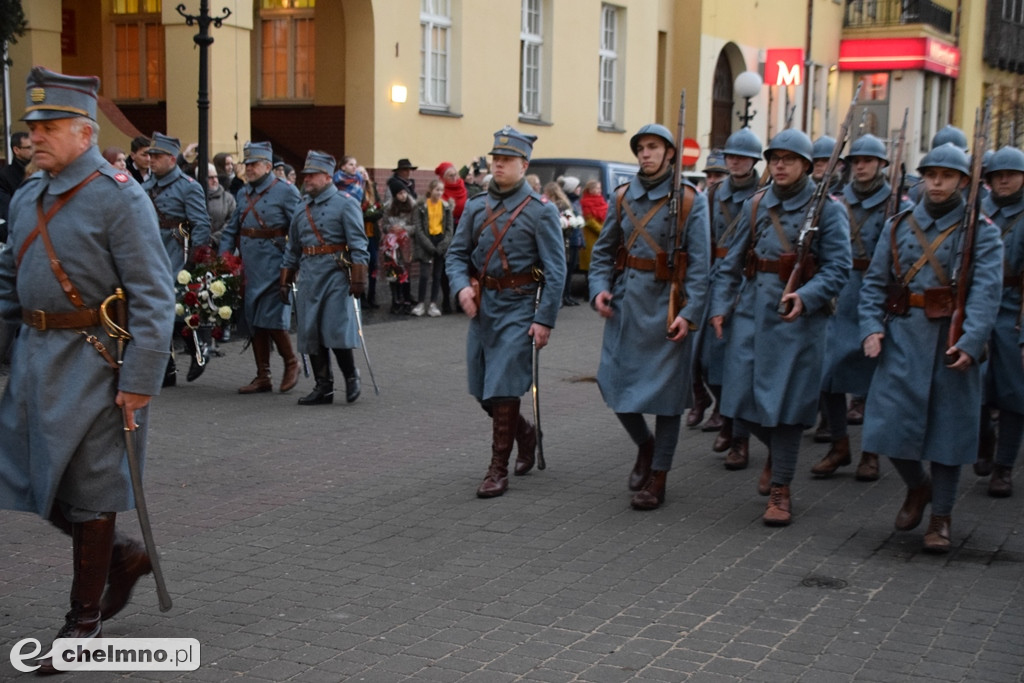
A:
747	84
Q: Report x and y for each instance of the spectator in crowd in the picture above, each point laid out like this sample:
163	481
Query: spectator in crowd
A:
220	204
347	178
403	173
372	213
432	235
574	239
138	158
116	157
594	208
12	175
396	246
225	163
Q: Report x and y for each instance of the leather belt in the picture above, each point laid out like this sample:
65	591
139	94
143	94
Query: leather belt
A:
170	224
42	320
637	263
265	234
916	300
763	265
720	252
324	249
511	281
861	263
1012	280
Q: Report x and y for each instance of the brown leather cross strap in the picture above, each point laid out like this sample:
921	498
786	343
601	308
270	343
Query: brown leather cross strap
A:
780	231
62	199
251	202
639	224
855	229
929	250
74	320
499	236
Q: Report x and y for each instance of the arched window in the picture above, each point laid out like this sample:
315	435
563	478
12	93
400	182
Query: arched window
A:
722	102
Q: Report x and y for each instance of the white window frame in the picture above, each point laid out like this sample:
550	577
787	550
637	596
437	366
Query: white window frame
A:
435	63
531	60
292	16
609	67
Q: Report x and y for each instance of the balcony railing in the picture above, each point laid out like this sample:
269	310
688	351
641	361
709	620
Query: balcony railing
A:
1004	39
869	13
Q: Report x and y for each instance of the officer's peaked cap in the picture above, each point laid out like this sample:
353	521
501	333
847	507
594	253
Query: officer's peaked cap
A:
1006	159
511	143
791	140
50	95
257	151
947	155
868	145
743	143
165	144
319	162
716	162
653	129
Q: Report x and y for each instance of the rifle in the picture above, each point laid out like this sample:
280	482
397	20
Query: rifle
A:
897	167
962	275
814	210
678	260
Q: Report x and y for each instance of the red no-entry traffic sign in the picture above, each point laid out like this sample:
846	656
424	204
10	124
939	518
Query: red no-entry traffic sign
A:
691	152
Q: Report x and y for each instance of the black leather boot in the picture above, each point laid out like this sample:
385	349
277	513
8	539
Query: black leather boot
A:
323	392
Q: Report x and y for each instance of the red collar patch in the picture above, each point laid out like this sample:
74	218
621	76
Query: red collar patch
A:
121	177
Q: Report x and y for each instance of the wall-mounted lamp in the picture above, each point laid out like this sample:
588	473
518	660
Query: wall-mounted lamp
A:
747	85
398	93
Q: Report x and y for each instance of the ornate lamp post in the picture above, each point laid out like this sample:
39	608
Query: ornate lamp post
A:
203	39
747	85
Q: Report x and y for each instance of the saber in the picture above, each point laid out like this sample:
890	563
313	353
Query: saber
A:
362	341
535	388
118	331
295	303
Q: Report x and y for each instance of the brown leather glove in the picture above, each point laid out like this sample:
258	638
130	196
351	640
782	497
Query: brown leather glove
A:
287	278
359	276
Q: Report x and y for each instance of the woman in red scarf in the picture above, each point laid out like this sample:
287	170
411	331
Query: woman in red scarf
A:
594	207
454	193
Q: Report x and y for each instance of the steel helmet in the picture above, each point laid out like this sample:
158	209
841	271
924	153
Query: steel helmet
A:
743	143
1006	159
986	159
791	140
653	129
716	162
946	155
950	134
868	145
823	147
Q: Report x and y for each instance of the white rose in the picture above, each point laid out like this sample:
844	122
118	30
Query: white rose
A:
218	288
179	310
224	312
184	277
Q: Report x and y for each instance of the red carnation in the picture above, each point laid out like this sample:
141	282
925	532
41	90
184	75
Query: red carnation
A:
191	299
193	320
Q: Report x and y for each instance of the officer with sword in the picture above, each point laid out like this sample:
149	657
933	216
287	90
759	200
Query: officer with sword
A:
80	229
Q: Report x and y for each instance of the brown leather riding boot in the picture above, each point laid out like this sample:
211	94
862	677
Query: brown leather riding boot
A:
764	482
1001	483
867	469
936	539
283	342
526	443
128	563
724	439
641	473
837	456
701	402
261	353
912	510
92	546
715	423
504	416
738	456
651	496
780	507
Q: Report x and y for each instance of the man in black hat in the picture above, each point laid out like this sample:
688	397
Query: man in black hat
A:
62	453
403	172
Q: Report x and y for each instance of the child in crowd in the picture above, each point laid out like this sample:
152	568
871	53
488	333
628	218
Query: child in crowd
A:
434	227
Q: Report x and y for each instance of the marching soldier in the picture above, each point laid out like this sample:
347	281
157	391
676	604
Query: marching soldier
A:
643	369
184	224
507	249
773	376
1004	377
923	404
327	245
259	229
847	370
61	451
742	152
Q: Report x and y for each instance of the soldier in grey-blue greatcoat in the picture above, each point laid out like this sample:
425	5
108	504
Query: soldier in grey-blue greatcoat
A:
644	257
507	249
725	200
62	447
847	369
773	375
184	225
259	229
328	249
1004	376
925	393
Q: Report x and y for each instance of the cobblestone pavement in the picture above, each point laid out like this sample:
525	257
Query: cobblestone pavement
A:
345	543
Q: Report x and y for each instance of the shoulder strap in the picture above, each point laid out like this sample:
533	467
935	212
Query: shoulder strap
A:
501	235
61	201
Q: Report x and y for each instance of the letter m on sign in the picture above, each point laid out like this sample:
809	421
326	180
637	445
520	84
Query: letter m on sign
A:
784	66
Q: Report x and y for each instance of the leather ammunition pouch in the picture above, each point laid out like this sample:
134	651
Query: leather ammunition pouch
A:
787	262
897	298
938	302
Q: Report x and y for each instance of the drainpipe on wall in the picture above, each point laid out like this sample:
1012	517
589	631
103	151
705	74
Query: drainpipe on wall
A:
807	60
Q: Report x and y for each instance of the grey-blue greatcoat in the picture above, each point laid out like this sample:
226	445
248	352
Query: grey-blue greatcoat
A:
498	346
325	317
61	436
919	409
847	369
179	197
274	203
726	202
773	374
641	370
1004	378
